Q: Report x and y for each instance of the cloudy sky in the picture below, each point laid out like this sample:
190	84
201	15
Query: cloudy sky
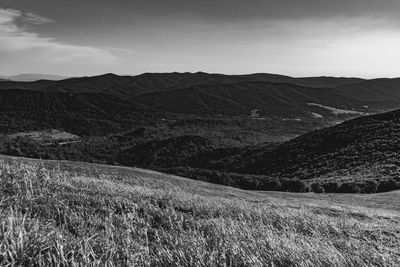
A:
293	37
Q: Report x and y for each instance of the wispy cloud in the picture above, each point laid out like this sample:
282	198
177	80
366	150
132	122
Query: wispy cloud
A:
36	19
17	36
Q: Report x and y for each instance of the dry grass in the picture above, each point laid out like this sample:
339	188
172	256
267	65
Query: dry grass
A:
91	215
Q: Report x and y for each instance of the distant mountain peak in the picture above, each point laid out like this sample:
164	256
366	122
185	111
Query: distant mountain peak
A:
109	74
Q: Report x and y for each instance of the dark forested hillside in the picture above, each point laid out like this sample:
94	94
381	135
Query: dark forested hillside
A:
171	152
366	148
265	98
82	114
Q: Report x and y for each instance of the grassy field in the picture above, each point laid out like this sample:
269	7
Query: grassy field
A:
77	214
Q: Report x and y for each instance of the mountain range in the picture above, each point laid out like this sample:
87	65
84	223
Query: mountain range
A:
258	94
155	82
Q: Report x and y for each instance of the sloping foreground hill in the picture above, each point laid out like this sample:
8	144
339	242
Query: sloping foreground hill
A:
70	214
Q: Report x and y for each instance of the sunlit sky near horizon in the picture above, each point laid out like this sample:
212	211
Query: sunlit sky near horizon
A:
298	38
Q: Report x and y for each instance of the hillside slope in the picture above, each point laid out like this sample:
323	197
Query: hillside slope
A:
63	213
373	90
359	149
82	114
164	153
267	99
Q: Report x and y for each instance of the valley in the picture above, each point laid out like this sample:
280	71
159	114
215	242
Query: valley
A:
257	132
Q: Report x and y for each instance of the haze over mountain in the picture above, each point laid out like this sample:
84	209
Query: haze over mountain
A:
31	77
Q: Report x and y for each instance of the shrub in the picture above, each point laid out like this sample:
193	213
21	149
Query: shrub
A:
320	190
292	185
306	189
370	186
350	187
331	187
317	188
271	185
388	185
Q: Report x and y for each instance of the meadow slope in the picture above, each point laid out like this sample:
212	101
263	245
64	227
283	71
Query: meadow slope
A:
70	213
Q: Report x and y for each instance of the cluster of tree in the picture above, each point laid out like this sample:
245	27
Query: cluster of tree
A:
363	187
98	150
243	181
262	182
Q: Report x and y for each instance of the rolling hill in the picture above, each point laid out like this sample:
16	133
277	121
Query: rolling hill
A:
326	81
81	114
379	90
267	99
68	213
358	150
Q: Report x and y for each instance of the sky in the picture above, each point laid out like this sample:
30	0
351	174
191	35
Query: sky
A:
358	38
